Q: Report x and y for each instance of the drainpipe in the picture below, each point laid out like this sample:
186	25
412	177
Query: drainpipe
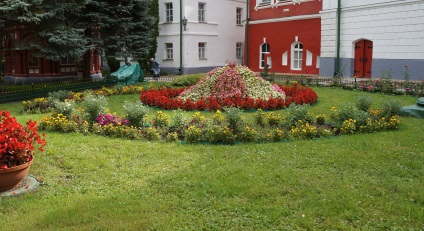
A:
247	35
180	71
339	12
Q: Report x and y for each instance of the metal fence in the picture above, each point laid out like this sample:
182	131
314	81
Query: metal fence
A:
382	85
16	93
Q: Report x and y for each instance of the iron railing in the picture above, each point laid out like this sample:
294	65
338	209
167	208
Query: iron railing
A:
16	93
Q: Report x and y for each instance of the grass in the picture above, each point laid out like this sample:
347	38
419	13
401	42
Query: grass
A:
357	182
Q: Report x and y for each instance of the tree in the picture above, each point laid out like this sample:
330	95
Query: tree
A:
76	28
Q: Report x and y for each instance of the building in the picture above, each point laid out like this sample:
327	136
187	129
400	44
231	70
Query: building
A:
284	35
23	67
376	37
197	36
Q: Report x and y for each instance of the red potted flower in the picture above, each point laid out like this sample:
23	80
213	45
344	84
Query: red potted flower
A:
17	144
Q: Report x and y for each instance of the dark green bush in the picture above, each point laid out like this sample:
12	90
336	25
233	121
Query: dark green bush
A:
187	80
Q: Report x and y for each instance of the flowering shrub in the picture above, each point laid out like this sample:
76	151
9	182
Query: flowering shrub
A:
161	119
38	105
303	130
17	141
106	119
193	134
220	135
274	120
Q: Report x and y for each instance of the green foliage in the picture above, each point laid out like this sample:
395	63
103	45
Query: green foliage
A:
390	108
65	108
60	95
152	134
193	134
220	135
247	134
260	118
274	120
364	102
160	119
298	112
135	113
94	106
234	118
178	119
320	119
172	137
187	80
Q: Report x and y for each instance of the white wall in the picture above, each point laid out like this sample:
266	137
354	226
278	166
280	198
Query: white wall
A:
395	27
220	32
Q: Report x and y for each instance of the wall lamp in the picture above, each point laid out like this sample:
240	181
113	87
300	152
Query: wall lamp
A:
185	23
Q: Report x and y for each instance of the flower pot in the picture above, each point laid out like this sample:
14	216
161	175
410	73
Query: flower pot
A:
10	177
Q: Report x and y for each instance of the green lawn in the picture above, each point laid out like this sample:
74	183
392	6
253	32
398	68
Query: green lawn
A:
357	182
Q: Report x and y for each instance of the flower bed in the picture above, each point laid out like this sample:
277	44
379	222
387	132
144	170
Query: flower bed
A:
167	98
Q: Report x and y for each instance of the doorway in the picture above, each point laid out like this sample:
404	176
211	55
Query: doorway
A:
363	59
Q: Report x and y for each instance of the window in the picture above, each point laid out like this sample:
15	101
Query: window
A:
65	60
202	50
239	50
297	53
202	12
238	16
169	12
265	49
264	1
169	51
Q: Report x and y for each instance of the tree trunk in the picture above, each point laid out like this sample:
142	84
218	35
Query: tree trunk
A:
86	65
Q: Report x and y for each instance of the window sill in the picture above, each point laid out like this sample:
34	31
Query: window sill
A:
203	59
164	60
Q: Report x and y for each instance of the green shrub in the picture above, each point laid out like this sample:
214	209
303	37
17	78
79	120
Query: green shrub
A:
234	118
274	120
187	80
94	106
390	108
320	119
363	102
135	113
346	112
220	135
60	95
65	108
160	119
152	134
172	137
260	118
298	112
193	134
247	134
178	119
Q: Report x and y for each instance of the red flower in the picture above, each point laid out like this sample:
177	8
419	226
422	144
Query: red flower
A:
17	141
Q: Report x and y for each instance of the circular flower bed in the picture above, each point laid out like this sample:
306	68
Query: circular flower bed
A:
229	86
168	99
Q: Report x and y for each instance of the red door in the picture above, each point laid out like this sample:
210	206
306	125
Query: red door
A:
363	59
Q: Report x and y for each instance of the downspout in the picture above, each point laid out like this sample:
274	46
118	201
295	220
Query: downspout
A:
180	71
247	35
339	11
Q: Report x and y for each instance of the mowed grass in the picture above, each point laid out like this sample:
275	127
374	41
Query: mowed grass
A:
357	182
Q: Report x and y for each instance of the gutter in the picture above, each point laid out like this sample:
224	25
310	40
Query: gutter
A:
247	35
180	71
337	69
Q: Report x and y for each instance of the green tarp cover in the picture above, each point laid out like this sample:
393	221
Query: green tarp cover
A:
129	74
415	110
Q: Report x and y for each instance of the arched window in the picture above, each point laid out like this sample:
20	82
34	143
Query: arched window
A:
296	56
265	49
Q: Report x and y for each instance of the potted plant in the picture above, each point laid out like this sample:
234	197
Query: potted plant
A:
17	144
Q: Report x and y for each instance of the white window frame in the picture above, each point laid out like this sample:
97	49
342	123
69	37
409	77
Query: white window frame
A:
264	49
202	50
239	50
201	12
296	56
169	12
239	14
169	51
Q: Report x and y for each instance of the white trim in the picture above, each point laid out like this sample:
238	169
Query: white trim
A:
294	18
375	5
